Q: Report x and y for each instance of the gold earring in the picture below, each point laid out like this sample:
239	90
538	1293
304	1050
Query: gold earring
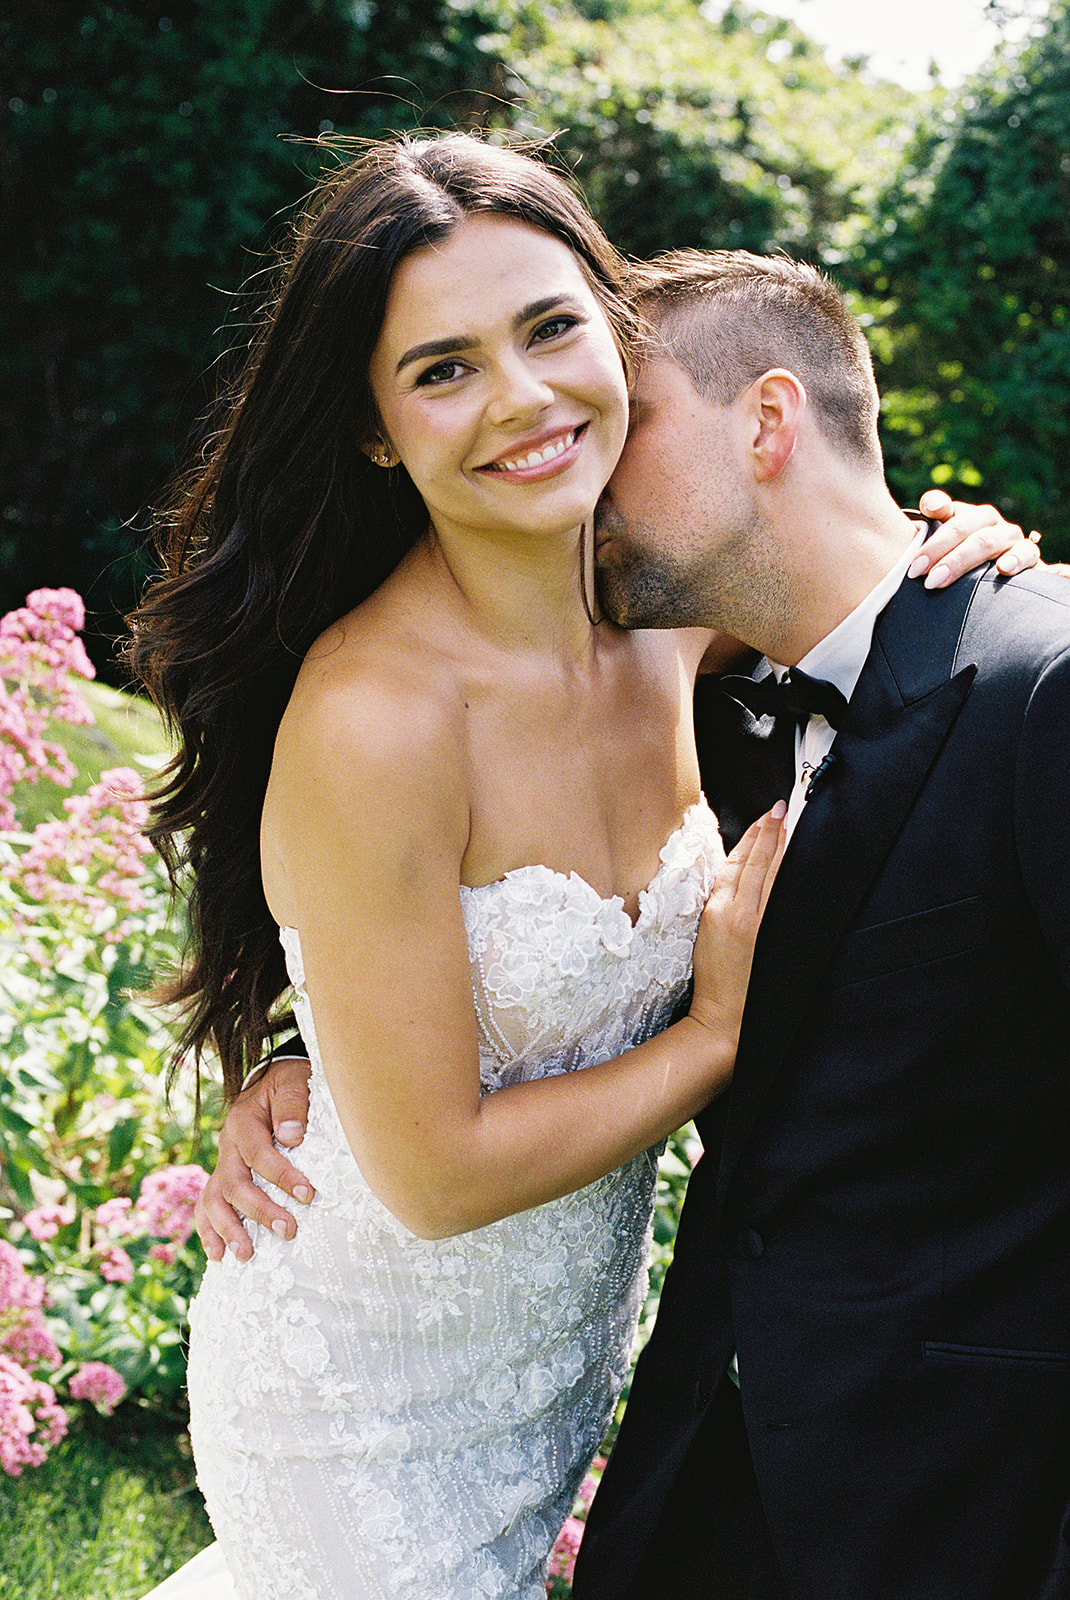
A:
383	456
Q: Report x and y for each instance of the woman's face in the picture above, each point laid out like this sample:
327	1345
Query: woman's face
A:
498	381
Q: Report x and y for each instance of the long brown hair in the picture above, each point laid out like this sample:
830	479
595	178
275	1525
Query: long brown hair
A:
285	525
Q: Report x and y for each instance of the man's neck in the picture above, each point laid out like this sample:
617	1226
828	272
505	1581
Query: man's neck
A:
829	568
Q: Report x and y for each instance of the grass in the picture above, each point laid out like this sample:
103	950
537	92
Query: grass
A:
111	1513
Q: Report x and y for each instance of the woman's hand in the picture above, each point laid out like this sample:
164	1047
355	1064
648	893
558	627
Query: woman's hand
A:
969	536
273	1106
729	926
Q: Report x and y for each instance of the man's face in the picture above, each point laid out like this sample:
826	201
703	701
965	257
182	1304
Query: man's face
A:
673	523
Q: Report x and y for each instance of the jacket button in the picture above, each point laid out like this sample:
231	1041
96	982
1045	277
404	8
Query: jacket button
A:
750	1244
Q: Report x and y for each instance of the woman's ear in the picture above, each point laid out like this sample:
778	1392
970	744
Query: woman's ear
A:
778	401
380	452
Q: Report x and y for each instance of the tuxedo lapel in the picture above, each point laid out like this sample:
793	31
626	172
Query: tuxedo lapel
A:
900	714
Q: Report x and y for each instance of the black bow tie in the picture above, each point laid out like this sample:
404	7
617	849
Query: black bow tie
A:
797	696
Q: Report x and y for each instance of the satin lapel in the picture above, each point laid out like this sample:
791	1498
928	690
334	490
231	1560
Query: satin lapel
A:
900	715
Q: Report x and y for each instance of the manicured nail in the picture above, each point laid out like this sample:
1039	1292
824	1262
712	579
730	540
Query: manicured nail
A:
919	565
303	1193
289	1133
938	576
278	1228
779	811
1009	564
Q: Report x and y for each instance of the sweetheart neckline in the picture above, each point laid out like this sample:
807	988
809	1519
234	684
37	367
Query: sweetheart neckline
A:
700	807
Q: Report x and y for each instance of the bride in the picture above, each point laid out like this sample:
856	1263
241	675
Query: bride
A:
425	798
414	774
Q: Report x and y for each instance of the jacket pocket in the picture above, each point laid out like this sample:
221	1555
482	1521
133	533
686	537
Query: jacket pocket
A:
987	1355
912	941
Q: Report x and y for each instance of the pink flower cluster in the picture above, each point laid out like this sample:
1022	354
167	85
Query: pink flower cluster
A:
167	1200
44	1222
565	1551
30	1418
164	1209
94	858
40	653
24	1335
100	1384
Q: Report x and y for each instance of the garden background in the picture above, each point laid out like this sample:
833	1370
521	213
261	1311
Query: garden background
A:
150	153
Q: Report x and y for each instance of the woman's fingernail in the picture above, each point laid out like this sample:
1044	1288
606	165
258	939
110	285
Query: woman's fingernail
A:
303	1193
919	565
278	1228
779	811
289	1132
1009	564
938	576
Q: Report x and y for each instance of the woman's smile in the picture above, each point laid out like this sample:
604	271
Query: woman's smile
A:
535	460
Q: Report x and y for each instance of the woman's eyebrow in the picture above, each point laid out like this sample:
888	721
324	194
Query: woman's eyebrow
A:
455	343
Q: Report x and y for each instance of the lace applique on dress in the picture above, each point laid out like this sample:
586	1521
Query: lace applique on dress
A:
382	1417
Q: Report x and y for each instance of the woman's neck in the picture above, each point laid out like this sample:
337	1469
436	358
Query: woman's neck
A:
521	595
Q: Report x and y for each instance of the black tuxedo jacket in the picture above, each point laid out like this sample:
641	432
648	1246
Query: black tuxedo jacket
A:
881	1222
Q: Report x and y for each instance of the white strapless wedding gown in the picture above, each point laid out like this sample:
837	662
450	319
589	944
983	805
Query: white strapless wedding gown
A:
381	1417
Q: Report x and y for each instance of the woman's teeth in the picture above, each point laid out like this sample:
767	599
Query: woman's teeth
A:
538	458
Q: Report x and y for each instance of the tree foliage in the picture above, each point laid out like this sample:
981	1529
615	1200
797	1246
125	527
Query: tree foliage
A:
146	169
689	132
143	172
969	267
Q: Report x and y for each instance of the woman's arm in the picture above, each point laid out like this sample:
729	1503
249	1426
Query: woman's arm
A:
365	861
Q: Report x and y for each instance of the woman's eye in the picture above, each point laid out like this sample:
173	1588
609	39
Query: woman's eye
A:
443	372
555	327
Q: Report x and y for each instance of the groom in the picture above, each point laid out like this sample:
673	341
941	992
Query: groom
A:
859	1383
880	1227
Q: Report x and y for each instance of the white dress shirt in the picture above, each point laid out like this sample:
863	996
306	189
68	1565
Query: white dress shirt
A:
839	658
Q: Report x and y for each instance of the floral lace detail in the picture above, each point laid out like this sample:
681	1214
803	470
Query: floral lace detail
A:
377	1416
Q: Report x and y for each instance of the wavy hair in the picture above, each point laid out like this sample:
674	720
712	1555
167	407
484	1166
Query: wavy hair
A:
284	525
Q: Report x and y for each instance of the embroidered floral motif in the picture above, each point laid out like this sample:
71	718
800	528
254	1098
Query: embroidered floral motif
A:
424	1410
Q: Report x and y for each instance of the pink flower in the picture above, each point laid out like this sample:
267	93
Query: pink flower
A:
99	1383
17	1288
563	1559
95	859
167	1200
44	1222
27	1407
40	656
116	1265
165	1253
24	1335
113	1216
591	1481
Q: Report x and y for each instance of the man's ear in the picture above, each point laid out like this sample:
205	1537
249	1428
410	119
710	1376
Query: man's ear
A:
776	403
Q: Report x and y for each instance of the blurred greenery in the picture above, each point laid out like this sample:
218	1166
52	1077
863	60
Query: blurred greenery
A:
146	166
968	263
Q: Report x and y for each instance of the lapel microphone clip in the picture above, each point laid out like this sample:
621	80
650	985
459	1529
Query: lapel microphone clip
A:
820	770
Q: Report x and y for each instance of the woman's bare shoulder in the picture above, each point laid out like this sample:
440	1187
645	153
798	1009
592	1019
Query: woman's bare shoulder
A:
374	731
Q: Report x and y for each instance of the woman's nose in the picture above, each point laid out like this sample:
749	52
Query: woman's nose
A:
519	390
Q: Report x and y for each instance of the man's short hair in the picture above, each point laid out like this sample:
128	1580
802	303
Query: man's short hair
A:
726	316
